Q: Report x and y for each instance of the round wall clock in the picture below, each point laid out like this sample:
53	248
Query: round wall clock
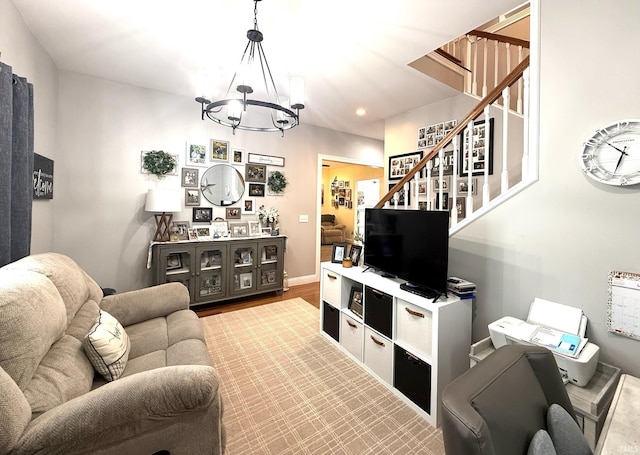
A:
612	154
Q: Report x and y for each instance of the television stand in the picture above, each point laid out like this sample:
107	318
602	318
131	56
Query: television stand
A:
421	291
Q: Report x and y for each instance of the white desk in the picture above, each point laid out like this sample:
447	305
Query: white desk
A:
621	431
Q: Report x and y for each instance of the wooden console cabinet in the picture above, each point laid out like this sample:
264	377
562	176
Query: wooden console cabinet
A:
221	269
412	345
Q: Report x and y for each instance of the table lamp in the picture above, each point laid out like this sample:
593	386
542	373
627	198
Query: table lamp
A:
163	200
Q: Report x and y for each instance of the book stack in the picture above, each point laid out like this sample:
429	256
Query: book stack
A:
461	288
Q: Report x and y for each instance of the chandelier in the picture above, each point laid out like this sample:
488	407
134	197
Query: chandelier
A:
239	110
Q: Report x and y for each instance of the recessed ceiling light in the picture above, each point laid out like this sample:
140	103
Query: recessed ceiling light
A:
360	111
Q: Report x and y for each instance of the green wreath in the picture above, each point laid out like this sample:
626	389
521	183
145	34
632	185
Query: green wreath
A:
159	163
276	182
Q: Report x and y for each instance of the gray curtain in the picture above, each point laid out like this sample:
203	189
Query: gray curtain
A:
16	165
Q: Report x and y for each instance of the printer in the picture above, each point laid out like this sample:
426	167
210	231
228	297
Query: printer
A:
550	324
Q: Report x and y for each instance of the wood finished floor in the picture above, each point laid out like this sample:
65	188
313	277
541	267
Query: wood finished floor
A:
309	292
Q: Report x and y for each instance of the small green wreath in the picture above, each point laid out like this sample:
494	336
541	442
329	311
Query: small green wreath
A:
158	163
276	182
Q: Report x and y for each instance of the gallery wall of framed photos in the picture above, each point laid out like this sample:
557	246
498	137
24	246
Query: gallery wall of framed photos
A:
475	153
239	219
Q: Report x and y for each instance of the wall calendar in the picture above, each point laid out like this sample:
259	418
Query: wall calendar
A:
623	305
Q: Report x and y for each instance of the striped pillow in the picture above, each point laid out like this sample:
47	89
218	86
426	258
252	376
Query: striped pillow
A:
107	345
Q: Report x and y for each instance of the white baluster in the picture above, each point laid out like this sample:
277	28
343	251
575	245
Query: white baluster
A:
486	190
396	197
406	195
496	65
525	124
474	87
520	81
467	63
468	148
441	175
454	182
484	75
429	166
504	181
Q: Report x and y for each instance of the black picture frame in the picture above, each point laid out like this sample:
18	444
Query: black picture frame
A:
355	301
479	160
445	201
338	252
256	189
174	261
402	196
447	162
400	165
354	253
202	214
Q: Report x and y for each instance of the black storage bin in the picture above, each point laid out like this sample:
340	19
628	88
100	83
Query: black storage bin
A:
378	311
412	377
331	321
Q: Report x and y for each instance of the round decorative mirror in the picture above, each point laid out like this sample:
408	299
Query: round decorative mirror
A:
222	185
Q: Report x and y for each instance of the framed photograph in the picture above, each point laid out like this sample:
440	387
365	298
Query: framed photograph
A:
478	146
265	159
204	232
338	252
400	165
445	201
422	188
174	261
246	280
430	136
191	196
256	189
461	207
248	206
182	228
255	173
202	214
355	301
354	254
190	177
401	195
218	150
265	230
254	228
196	154
463	186
447	163
239	229
219	228
444	183
232	213
237	156
193	234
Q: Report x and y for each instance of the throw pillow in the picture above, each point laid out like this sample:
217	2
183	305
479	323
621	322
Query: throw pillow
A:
565	432
541	444
107	345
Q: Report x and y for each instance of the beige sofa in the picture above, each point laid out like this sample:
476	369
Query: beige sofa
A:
331	231
51	398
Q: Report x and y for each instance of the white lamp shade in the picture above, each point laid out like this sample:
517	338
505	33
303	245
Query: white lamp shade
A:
163	200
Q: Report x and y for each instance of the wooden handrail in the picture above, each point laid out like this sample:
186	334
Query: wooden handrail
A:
492	96
501	38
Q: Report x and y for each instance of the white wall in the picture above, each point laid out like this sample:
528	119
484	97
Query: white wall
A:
559	238
104	126
20	50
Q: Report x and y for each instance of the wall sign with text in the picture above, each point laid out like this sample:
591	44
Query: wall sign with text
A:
42	177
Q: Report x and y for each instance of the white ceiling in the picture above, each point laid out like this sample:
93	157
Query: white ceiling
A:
351	53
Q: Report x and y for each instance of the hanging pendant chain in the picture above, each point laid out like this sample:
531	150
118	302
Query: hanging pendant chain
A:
255	15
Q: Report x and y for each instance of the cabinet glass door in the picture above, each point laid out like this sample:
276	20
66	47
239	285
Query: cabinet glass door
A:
210	283
177	266
270	265
244	262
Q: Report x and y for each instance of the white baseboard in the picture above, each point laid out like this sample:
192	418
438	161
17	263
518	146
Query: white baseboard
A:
303	280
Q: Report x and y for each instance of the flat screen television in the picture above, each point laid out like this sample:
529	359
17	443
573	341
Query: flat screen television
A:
412	245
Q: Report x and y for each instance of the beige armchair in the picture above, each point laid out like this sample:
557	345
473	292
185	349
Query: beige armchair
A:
331	232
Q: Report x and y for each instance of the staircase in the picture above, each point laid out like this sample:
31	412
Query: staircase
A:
494	69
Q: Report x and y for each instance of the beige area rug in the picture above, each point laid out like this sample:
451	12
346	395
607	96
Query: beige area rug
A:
288	390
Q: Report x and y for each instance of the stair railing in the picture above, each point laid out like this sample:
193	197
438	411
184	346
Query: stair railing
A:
421	173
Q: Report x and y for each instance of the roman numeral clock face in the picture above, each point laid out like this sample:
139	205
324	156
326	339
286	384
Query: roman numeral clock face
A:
612	154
